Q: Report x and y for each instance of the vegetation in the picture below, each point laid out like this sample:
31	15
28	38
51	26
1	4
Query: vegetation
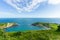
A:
32	35
5	25
58	28
53	26
1	24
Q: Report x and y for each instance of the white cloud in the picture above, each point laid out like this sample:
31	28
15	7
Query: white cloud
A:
54	2
33	4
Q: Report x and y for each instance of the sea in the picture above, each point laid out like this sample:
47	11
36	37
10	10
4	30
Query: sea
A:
25	23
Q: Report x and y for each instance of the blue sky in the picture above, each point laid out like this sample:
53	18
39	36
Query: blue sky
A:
30	9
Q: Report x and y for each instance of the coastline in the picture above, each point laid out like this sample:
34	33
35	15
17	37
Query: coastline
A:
7	25
47	25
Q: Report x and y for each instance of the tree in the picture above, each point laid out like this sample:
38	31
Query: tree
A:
58	28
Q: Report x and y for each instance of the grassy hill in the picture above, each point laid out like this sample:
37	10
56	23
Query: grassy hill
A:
30	35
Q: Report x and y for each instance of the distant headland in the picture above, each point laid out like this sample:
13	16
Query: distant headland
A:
7	25
47	25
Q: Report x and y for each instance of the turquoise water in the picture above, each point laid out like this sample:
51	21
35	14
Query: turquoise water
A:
25	23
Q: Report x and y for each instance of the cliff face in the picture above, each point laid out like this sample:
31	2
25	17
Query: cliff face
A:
6	25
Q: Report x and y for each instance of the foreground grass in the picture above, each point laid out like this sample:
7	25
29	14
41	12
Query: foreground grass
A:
30	35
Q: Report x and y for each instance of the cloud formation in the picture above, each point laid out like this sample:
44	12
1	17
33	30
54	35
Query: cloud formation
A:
28	5
24	5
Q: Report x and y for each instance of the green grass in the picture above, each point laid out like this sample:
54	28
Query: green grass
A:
1	24
30	35
54	26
